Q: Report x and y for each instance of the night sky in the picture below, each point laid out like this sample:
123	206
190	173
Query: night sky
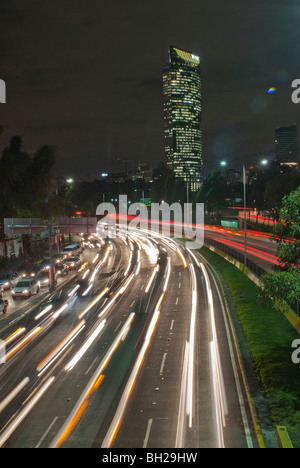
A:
86	76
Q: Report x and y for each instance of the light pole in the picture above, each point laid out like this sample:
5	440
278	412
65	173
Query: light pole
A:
224	164
245	209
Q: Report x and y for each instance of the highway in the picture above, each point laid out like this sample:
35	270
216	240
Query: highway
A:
135	350
260	248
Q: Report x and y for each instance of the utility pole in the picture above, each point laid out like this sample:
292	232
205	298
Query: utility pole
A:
51	258
245	209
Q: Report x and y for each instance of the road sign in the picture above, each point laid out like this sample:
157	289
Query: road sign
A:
146	201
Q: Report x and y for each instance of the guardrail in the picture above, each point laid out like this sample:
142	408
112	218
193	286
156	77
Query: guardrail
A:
252	266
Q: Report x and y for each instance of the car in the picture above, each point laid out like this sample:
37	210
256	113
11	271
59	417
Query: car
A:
70	250
3	305
1	291
61	269
31	271
44	278
73	262
25	288
57	258
9	279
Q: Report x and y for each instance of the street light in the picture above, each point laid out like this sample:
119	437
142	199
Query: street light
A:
223	164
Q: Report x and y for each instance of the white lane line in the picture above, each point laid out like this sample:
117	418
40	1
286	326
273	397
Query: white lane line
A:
23	413
172	324
89	368
147	433
162	364
46	432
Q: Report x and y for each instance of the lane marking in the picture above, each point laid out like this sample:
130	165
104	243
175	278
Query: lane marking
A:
46	432
147	433
162	364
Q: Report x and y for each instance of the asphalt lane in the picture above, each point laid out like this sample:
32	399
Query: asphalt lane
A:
260	248
152	363
156	416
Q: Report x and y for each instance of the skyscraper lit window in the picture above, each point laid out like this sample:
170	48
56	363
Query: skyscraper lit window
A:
286	145
183	116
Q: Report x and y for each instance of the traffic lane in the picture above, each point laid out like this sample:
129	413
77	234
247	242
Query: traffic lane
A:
237	429
262	243
25	361
92	426
263	252
154	400
152	413
18	307
57	396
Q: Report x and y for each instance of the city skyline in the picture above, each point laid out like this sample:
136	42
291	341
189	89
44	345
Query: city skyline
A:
88	80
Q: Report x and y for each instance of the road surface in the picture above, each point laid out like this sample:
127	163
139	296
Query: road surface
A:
135	350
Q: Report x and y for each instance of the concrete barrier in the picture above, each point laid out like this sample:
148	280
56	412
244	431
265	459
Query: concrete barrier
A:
283	437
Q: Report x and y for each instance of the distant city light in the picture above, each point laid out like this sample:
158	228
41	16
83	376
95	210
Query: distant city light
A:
271	90
104	174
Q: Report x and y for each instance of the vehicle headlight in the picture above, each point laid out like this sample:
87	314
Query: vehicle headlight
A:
72	264
25	291
6	284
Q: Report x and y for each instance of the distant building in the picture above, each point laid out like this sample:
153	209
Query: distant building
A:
143	171
183	116
286	145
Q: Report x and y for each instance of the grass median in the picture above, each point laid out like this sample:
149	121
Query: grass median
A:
269	337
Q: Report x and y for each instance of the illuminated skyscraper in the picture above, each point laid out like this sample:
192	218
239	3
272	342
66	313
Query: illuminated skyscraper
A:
286	145
183	116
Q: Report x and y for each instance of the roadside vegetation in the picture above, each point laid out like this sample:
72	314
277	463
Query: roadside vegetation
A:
269	337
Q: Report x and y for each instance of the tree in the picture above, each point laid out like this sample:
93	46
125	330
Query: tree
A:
284	284
215	191
25	185
277	188
287	231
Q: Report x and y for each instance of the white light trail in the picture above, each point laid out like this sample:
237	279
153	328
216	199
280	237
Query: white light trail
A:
43	312
97	299
151	278
85	346
13	393
190	384
221	407
23	413
45	363
91	386
112	431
